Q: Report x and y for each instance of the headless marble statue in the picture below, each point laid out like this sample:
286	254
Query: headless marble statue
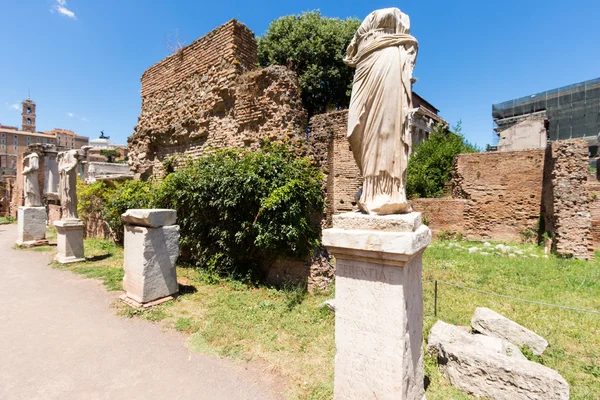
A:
384	54
67	170
31	165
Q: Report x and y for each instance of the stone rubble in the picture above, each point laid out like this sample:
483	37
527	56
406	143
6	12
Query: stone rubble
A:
492	367
493	324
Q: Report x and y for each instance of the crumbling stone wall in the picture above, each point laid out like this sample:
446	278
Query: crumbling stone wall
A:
593	195
208	95
503	192
565	207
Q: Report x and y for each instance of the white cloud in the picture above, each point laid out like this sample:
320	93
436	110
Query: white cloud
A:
61	7
73	115
15	106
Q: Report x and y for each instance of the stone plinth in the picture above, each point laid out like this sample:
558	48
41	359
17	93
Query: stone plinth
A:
69	241
149	264
31	226
379	305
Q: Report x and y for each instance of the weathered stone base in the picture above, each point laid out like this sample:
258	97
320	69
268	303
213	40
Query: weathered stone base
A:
149	264
31	226
132	303
379	305
69	241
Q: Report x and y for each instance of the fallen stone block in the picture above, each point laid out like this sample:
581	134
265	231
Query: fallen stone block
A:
151	218
491	323
483	373
442	332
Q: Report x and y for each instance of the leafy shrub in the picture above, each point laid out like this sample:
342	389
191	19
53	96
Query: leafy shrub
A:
107	200
430	166
239	209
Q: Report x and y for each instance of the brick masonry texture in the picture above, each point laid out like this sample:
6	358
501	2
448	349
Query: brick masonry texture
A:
566	203
443	214
208	95
503	192
593	192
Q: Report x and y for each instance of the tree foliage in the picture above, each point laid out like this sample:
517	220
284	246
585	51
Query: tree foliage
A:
110	154
430	166
314	47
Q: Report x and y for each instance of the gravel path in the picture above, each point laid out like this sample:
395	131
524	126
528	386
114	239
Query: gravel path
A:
60	339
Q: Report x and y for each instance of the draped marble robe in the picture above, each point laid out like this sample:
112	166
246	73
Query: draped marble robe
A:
384	54
67	170
31	189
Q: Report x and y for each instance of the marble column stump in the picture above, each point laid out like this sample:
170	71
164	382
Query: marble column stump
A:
151	251
31	223
379	305
69	242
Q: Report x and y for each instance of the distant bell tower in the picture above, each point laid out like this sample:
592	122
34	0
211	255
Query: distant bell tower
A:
28	114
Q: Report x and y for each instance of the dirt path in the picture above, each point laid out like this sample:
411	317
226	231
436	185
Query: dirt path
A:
59	338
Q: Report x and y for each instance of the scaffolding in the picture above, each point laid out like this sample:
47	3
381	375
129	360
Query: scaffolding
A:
572	111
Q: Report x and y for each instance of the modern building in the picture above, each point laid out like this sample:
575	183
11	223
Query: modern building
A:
14	141
103	143
568	112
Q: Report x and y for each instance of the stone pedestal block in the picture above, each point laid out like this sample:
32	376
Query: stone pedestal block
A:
379	305
149	264
69	241
31	226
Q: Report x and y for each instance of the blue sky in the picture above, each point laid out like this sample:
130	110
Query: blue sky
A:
82	60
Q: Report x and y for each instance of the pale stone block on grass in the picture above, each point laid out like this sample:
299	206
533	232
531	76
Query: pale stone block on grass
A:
149	262
31	223
442	333
152	218
491	323
69	241
483	373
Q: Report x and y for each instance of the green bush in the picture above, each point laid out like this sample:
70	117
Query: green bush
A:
107	200
239	210
430	166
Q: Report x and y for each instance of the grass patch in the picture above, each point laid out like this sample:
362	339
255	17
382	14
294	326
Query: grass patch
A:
104	261
290	330
574	337
7	220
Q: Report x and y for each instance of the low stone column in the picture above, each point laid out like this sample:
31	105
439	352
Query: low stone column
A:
379	305
31	222
69	240
151	250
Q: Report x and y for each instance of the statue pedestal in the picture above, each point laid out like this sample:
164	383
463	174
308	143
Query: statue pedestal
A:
31	226
379	305
70	241
151	252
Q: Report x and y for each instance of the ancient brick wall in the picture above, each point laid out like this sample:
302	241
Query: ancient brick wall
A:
443	214
593	194
208	95
565	206
503	192
331	150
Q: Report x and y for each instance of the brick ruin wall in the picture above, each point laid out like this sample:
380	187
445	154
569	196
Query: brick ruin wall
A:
443	214
566	202
332	152
209	95
593	195
503	192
